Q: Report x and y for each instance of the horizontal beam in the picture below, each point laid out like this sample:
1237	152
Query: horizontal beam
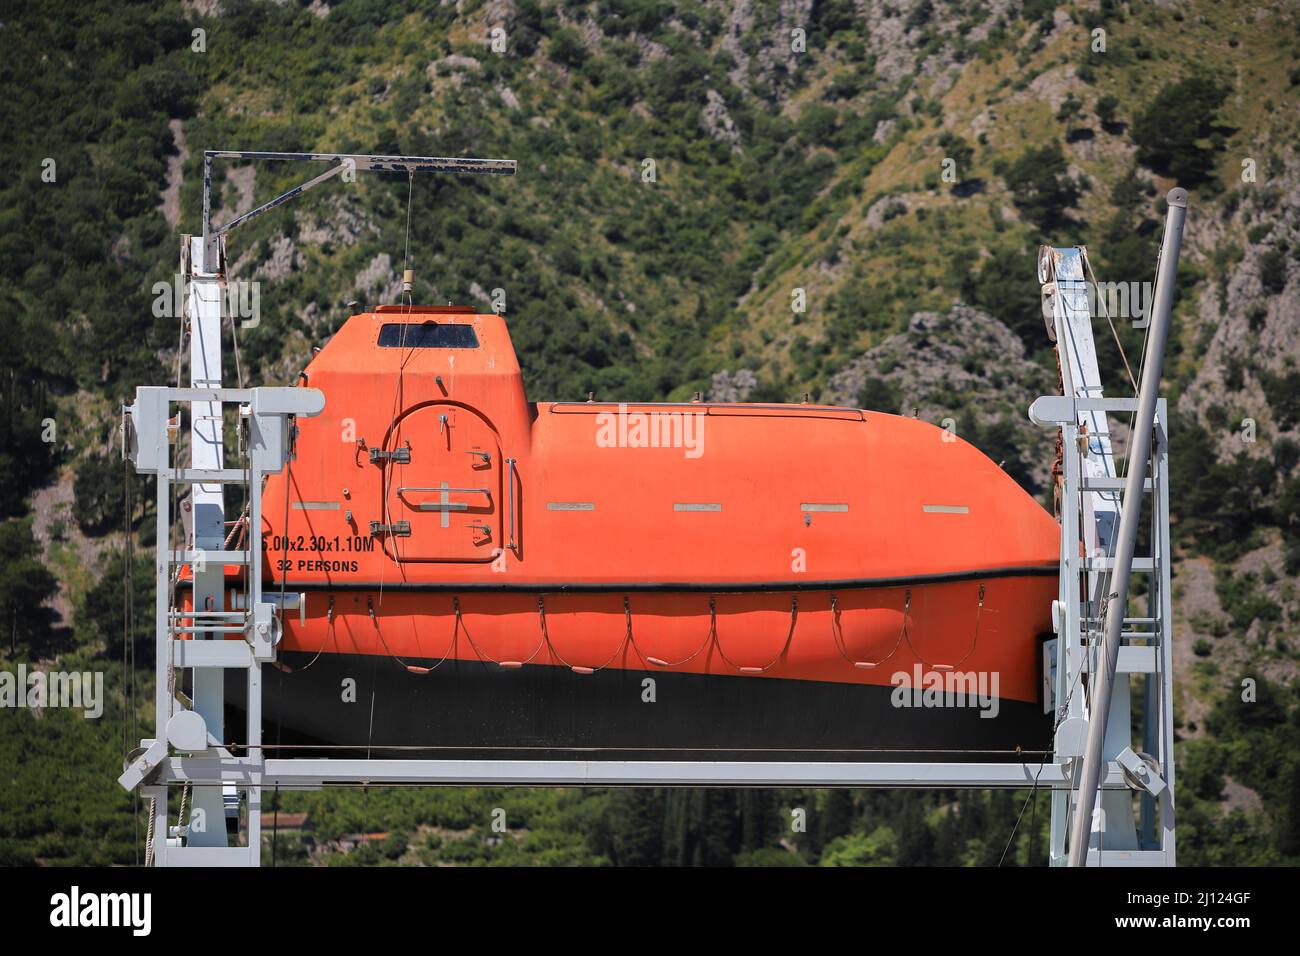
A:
280	199
211	654
311	773
1056	410
1133	660
203	557
382	164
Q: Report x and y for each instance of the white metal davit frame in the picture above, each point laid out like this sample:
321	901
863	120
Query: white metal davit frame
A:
188	753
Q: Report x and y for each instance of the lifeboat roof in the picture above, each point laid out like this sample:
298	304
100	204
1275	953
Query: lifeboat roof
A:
420	338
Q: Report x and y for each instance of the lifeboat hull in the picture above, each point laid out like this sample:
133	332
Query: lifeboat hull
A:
483	575
769	676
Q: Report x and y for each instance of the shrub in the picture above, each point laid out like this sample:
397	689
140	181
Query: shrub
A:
1171	133
1043	190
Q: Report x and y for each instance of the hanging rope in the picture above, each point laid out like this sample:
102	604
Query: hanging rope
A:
631	637
979	613
1058	719
385	469
329	632
837	633
149	834
236	526
1111	323
451	645
492	660
794	614
410	189
374	619
577	668
708	639
184	810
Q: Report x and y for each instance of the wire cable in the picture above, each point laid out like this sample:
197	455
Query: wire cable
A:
794	614
837	633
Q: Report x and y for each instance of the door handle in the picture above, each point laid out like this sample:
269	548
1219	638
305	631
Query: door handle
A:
441	506
510	484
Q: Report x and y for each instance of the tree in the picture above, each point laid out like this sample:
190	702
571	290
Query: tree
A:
98	493
1272	271
959	151
25	586
1071	108
567	48
1106	111
1288	836
1000	289
1179	134
636	827
1043	190
879	848
101	614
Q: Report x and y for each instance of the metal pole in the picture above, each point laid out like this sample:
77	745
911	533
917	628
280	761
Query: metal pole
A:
1130	512
207	501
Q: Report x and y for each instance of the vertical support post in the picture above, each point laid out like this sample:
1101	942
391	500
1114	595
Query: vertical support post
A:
208	504
1130	513
1151	696
1165	652
1068	658
162	600
254	826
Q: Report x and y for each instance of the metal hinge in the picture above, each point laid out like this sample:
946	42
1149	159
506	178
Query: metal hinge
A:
398	529
401	456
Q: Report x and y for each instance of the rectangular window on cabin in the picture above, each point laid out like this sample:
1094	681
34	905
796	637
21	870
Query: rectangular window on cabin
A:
426	335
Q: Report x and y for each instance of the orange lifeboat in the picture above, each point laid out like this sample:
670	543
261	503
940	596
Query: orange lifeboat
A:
499	576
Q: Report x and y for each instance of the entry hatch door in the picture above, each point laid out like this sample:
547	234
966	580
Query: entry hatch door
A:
443	498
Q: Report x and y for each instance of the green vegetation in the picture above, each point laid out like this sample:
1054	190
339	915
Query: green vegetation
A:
25	586
1044	193
1180	134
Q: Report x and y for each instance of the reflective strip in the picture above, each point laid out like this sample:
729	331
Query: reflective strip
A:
823	507
315	506
570	506
704	506
946	509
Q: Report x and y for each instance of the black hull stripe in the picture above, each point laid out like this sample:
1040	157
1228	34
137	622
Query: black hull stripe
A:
471	710
712	587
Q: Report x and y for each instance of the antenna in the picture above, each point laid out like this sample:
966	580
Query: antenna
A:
347	163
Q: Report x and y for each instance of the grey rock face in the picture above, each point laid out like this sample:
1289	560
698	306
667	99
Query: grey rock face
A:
966	366
1252	330
728	386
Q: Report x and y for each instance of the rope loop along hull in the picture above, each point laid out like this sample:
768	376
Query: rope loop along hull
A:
475	673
